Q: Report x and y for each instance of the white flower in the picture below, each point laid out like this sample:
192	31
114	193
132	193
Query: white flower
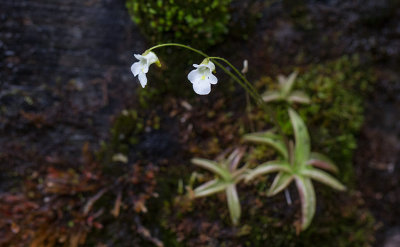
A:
202	77
142	67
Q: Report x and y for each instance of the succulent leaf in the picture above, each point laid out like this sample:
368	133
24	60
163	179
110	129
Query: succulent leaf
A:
233	203
274	140
210	187
308	200
287	85
324	178
281	181
299	97
322	161
302	145
269	167
213	167
271	96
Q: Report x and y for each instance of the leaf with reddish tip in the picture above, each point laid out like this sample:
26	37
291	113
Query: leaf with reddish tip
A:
268	167
273	140
233	203
281	181
323	162
307	199
302	145
324	178
209	188
213	167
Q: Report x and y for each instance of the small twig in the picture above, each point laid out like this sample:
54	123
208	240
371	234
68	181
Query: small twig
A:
88	206
145	233
117	205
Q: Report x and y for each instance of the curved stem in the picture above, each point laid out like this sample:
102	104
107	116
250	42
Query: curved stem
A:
265	107
239	74
250	90
178	45
243	82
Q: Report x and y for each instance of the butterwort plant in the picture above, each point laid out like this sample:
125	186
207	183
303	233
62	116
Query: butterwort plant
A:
296	164
227	174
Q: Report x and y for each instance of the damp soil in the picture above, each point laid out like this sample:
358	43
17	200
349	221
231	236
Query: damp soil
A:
64	76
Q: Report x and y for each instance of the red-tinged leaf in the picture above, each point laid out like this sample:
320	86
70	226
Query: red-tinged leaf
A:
324	178
323	162
269	167
307	199
233	203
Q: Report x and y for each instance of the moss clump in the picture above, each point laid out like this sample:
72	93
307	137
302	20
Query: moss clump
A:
337	90
126	132
269	221
341	223
202	22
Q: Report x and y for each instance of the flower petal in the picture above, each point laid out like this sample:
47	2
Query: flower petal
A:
151	58
194	76
212	79
138	56
144	68
142	79
211	66
202	87
135	68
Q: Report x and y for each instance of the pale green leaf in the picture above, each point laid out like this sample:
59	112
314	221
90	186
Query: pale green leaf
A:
302	145
213	167
288	84
324	178
281	181
209	188
273	140
234	159
233	203
307	199
322	161
299	97
271	96
268	167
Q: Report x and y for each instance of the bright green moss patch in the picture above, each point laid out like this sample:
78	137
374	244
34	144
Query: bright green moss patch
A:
200	22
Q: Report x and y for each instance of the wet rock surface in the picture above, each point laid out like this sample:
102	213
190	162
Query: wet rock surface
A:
64	71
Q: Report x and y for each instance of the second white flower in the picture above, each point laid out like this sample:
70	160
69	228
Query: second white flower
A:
202	77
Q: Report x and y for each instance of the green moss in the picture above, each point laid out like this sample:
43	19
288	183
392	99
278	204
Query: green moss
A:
200	22
338	223
126	132
345	225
